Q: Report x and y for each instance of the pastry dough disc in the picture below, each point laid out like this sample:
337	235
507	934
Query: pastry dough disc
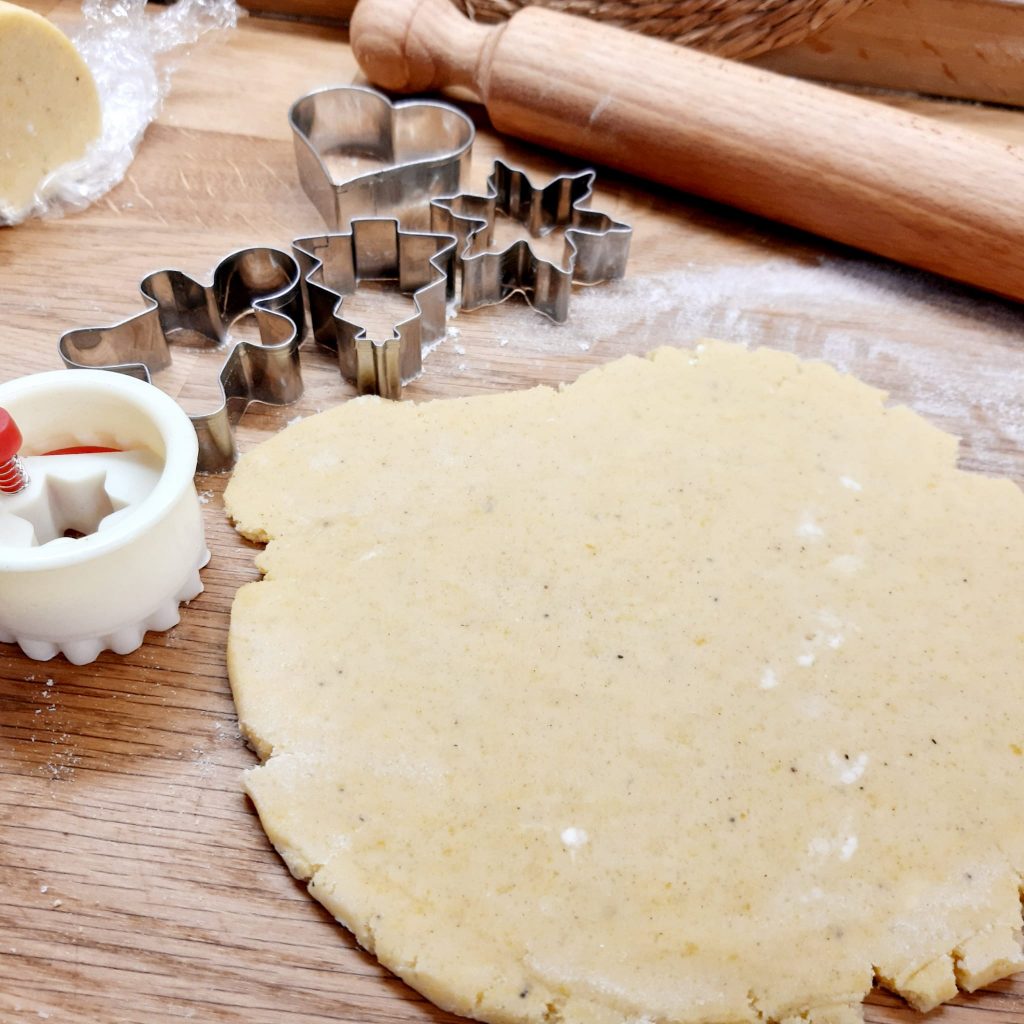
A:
692	692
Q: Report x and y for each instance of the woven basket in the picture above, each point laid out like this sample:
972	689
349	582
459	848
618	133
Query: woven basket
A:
729	28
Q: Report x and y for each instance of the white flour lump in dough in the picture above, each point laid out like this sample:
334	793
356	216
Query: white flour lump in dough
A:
689	693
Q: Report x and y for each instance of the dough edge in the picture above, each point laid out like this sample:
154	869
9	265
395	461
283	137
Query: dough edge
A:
977	960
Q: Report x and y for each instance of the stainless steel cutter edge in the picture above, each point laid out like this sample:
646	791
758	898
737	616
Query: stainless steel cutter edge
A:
260	280
340	117
377	249
596	246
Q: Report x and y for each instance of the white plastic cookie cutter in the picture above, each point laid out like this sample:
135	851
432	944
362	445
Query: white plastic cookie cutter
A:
102	537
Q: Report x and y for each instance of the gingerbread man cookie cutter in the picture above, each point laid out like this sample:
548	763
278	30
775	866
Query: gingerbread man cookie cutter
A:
183	312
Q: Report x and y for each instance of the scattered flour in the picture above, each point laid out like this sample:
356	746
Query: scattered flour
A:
952	354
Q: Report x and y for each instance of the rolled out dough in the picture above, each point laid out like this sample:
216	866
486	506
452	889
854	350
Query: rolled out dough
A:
692	692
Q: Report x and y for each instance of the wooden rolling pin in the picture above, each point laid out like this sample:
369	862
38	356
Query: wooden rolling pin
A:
850	169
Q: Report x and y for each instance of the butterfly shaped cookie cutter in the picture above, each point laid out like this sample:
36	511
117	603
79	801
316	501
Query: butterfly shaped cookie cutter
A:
360	155
596	246
377	249
183	312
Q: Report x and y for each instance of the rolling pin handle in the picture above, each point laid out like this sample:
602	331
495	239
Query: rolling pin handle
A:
421	45
851	169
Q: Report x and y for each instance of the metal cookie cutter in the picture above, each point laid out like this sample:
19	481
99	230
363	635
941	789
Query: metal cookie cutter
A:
181	311
360	155
596	247
377	250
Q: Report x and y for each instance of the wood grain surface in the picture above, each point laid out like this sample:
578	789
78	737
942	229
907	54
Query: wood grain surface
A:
135	882
964	48
883	180
967	49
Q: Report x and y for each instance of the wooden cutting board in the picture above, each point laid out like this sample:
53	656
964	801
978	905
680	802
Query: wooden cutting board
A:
135	882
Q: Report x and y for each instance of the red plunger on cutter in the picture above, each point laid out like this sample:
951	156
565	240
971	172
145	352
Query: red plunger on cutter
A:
12	470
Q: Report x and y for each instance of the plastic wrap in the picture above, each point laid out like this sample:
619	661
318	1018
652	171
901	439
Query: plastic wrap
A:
132	53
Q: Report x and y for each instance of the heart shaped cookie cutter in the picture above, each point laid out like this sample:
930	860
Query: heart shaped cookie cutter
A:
360	155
